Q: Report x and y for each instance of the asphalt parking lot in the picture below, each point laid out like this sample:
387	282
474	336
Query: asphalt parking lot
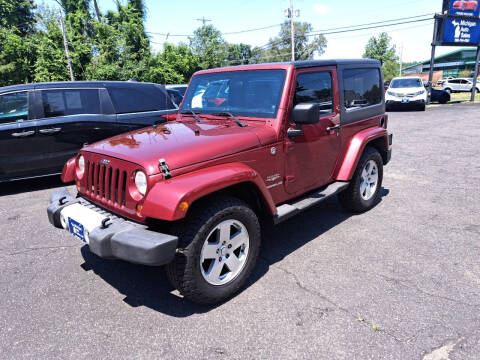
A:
399	282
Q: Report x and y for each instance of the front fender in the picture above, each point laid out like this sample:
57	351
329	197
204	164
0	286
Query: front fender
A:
355	149
163	200
68	172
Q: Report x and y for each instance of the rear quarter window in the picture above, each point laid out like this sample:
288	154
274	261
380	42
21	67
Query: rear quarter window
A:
70	102
139	99
361	88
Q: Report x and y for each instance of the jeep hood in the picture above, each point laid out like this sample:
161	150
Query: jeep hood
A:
183	143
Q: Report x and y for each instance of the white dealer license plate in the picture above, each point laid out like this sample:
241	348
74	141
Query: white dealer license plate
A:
80	221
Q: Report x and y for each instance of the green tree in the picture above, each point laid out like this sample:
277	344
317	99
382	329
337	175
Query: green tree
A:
121	48
50	64
17	44
175	64
18	15
239	54
380	48
208	45
305	45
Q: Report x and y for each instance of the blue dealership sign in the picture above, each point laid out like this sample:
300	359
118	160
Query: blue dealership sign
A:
461	31
464	8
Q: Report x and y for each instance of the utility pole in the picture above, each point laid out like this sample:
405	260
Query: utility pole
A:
401	59
65	44
203	20
291	13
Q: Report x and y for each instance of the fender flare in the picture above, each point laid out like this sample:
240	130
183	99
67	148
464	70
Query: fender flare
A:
68	172
163	200
346	166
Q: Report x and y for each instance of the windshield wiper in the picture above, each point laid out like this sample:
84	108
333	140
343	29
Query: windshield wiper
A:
226	113
191	112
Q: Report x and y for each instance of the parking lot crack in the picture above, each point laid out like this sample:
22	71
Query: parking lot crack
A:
408	284
364	322
27	250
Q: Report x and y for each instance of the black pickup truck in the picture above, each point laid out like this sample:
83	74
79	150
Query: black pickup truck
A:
43	125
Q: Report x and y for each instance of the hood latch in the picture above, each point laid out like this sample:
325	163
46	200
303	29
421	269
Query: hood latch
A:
162	164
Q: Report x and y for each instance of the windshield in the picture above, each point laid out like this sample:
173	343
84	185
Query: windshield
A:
250	93
406	83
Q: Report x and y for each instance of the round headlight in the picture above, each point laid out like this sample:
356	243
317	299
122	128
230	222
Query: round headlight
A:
81	163
141	182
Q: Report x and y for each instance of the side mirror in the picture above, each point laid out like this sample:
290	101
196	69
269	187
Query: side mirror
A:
306	113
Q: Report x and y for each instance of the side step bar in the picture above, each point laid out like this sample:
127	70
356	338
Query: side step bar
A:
286	211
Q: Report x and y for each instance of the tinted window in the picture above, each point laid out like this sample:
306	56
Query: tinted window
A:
70	102
252	93
361	88
139	99
315	88
14	107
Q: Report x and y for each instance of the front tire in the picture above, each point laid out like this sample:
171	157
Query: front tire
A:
364	189
219	245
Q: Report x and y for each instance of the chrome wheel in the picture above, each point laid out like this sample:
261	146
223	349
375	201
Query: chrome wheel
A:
224	252
369	181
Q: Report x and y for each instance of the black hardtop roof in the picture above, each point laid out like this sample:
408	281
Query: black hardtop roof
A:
75	84
333	62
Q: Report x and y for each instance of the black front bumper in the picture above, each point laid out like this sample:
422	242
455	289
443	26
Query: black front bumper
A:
118	238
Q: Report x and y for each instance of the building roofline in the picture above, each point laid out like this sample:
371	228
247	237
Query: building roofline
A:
427	62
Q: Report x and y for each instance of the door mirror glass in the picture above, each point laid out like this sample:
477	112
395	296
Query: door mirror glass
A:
306	113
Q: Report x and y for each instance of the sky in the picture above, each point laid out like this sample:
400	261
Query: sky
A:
180	17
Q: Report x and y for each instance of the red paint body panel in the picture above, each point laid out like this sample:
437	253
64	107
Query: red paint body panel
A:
181	143
355	149
68	171
164	198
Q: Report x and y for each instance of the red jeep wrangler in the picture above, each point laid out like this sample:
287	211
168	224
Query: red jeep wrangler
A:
249	143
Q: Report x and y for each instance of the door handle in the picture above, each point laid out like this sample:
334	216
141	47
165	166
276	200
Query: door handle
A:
24	133
334	128
49	131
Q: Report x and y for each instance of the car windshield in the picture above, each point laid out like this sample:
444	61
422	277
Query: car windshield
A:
252	93
406	83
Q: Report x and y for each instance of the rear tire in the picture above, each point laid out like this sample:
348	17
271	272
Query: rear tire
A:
364	189
219	244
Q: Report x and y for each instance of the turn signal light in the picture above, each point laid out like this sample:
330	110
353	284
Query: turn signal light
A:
139	208
183	206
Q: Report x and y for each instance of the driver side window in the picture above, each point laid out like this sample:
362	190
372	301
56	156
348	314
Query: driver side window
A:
315	88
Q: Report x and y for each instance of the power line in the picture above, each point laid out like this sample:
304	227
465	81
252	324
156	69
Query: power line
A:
367	28
227	33
286	51
374	23
353	28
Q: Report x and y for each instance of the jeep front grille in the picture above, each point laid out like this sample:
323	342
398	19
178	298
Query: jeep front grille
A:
106	182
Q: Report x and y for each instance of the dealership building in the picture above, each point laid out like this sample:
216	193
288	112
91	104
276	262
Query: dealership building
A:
446	65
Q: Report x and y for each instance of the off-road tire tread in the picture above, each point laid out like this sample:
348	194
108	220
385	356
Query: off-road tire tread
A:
179	274
350	198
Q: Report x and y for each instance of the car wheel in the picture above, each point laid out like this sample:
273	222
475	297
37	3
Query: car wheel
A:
364	189
219	244
422	107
